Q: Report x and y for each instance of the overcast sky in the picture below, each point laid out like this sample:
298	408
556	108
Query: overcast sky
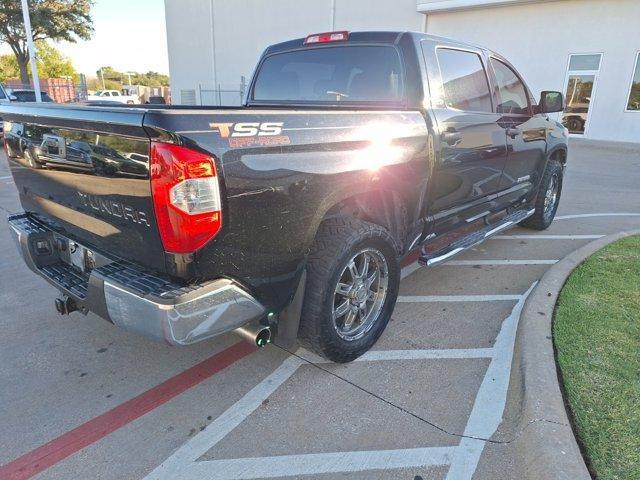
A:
129	35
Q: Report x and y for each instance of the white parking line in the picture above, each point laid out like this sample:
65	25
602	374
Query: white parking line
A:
177	464
456	298
409	269
315	463
435	354
486	414
391	355
498	262
546	237
590	215
184	464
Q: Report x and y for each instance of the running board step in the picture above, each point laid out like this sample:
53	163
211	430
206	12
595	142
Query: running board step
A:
430	259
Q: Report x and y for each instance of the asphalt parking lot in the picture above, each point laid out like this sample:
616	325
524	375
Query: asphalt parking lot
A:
80	399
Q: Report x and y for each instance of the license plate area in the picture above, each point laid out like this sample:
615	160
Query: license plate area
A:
81	258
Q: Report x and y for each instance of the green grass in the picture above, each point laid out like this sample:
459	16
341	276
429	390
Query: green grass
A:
597	338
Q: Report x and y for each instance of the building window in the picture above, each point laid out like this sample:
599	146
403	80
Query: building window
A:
580	90
633	103
464	80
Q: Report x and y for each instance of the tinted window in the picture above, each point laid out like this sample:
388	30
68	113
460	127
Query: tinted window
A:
464	80
512	94
2	95
332	74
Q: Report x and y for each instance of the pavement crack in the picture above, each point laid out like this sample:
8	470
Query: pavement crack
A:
389	402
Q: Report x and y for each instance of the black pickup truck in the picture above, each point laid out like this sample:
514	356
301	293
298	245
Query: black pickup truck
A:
290	215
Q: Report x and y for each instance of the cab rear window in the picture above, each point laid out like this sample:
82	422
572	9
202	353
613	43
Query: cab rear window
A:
336	74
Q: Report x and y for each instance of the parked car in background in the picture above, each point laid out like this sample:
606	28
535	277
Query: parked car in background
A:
27	95
156	100
19	95
115	96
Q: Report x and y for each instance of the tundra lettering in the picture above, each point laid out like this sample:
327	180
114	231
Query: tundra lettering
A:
113	208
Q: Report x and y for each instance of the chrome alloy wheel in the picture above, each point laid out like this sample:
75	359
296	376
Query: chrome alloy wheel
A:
360	294
551	196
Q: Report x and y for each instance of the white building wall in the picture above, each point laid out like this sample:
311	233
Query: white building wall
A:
392	15
190	47
538	38
215	42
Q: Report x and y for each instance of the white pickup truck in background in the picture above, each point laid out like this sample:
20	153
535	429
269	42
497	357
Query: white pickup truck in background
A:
114	96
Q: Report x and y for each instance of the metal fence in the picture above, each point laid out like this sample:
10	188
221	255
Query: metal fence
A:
218	95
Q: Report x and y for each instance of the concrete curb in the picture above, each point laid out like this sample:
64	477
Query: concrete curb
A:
535	434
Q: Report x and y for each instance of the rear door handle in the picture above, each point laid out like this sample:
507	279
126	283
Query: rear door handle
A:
451	137
513	132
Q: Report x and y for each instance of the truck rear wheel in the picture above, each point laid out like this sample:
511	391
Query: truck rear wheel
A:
352	286
548	198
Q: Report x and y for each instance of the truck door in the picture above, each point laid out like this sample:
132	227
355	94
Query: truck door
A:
472	143
525	132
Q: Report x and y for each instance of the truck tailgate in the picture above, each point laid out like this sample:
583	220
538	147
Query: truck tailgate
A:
85	173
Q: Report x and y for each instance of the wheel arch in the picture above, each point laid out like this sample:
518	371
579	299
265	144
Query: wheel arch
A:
558	153
384	207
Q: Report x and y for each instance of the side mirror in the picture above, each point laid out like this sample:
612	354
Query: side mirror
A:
551	102
13	98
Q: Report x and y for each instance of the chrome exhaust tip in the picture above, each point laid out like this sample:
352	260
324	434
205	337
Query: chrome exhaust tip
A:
255	333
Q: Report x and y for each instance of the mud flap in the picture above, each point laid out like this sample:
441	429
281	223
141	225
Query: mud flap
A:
289	318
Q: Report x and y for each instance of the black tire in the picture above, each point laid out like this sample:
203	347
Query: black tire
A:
545	212
575	125
336	243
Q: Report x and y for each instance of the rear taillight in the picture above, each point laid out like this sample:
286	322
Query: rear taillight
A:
327	37
186	197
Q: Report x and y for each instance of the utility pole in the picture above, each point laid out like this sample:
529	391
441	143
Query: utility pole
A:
32	50
102	76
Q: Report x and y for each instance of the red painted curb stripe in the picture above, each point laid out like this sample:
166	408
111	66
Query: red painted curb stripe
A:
67	444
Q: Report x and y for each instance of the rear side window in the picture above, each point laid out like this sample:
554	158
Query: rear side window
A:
345	74
464	80
511	91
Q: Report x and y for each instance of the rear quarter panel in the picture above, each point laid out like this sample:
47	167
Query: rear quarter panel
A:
277	187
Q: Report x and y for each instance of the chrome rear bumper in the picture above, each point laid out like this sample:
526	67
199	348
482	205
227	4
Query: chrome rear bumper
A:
134	299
